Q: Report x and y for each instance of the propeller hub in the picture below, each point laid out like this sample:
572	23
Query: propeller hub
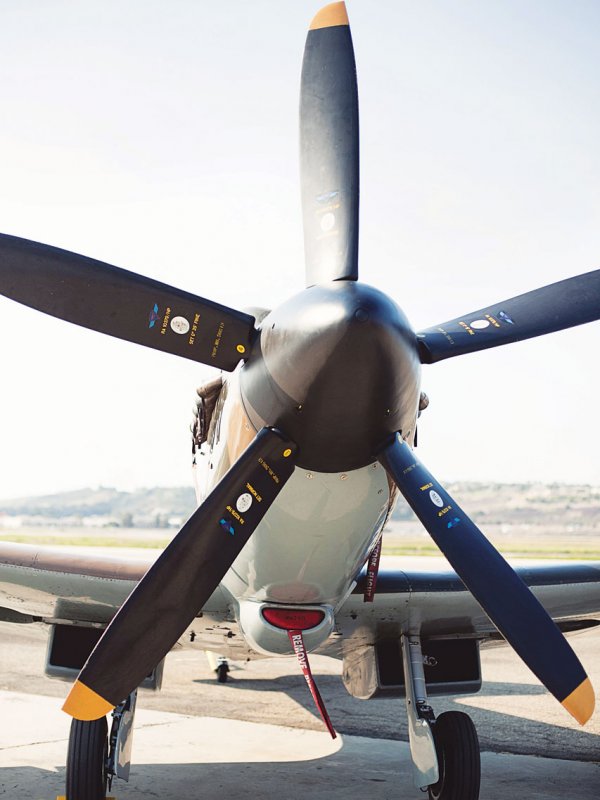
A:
336	368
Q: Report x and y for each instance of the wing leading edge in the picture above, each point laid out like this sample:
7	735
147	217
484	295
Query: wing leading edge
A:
437	604
53	582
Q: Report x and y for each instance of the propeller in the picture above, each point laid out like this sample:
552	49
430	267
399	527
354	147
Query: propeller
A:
111	300
302	377
552	308
329	149
507	601
182	579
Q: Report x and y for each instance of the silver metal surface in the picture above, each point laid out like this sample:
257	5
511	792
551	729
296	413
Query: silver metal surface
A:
420	736
271	640
121	738
317	520
312	525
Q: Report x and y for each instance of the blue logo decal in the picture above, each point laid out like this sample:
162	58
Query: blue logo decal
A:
504	316
154	316
226	525
453	522
327	197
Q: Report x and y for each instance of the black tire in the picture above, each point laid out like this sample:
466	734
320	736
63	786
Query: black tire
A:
222	670
457	748
86	760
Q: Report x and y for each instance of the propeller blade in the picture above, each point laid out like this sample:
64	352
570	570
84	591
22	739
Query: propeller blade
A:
502	594
183	578
329	149
552	308
123	304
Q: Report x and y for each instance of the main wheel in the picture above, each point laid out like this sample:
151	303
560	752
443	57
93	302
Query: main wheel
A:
222	671
86	760
457	748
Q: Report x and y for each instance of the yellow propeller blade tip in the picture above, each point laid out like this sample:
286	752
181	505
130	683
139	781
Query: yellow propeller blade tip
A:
328	16
83	703
580	703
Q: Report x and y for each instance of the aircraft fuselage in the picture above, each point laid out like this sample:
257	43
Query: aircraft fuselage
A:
302	378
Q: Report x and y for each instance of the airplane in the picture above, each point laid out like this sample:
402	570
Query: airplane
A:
303	447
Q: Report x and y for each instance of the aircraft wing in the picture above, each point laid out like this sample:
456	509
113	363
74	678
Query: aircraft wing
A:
52	585
436	604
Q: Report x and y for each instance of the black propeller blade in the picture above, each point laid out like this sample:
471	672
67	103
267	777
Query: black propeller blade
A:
552	308
182	579
123	304
329	149
504	597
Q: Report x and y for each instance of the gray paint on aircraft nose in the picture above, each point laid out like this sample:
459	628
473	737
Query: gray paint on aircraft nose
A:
318	519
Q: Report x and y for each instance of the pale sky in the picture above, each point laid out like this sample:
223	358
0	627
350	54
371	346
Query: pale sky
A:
162	137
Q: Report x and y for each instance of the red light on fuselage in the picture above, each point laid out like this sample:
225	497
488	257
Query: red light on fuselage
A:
297	619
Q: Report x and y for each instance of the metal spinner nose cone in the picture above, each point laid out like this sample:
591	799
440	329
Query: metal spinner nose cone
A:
336	368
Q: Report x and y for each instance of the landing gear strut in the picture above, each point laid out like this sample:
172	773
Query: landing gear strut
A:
445	751
94	759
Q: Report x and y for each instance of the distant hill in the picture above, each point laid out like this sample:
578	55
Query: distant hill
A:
104	507
523	520
524	504
549	507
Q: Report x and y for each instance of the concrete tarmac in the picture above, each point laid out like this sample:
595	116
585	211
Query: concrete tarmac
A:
258	734
179	756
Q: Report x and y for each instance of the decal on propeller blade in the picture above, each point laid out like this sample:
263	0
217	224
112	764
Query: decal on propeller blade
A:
180	325
268	469
327	197
154	316
435	498
226	525
504	316
243	502
480	324
327	221
165	322
442	331
217	341
253	491
235	515
194	329
453	522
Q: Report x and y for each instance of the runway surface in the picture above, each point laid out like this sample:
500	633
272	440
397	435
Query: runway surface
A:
258	736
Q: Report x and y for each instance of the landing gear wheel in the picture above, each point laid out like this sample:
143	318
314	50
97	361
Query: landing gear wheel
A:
222	671
86	760
457	748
